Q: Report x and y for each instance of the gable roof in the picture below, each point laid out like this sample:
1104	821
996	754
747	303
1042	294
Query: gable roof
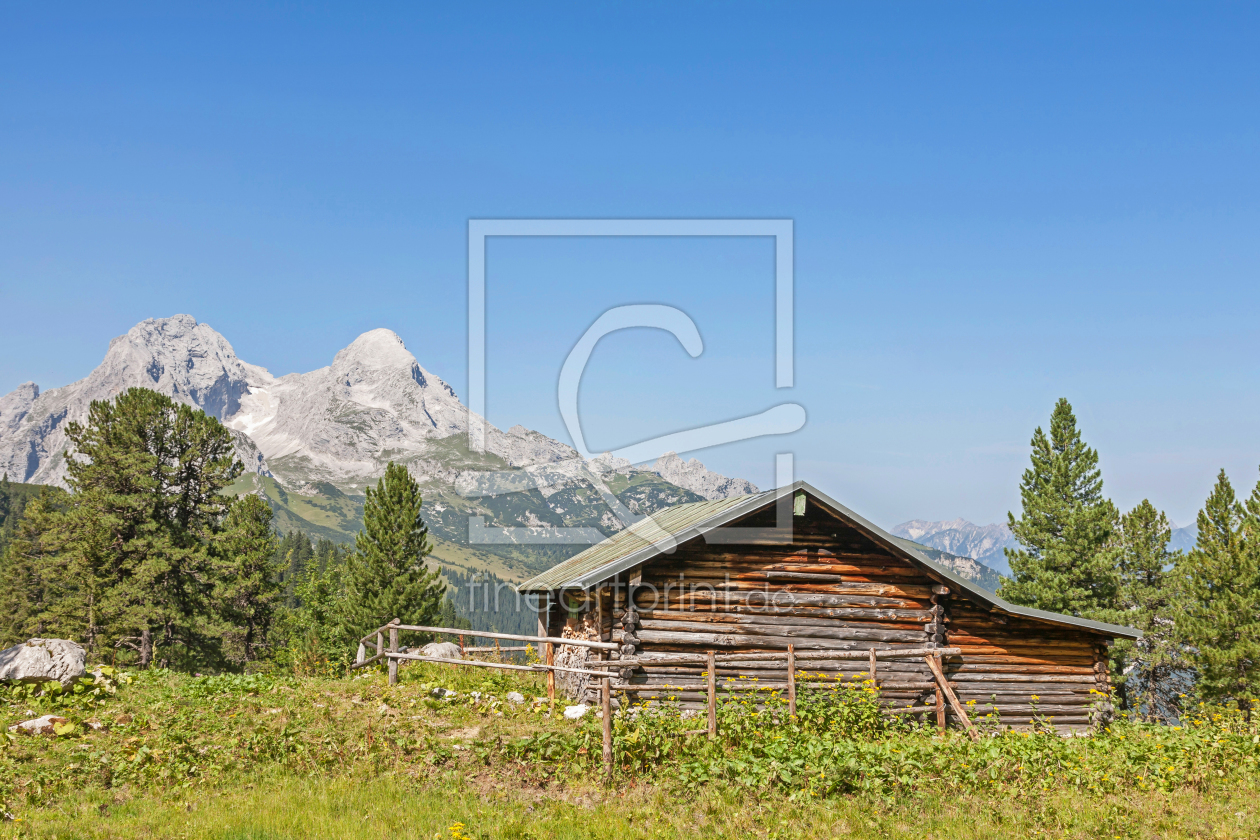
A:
659	533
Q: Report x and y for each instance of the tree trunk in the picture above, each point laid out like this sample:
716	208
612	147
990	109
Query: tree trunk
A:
249	641
146	647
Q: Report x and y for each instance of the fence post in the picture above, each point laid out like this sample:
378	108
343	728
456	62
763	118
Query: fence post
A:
393	648
712	694
606	697
874	668
791	663
551	675
461	644
940	705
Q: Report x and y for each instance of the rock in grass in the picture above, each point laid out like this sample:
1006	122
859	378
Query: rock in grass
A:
441	650
42	660
443	693
46	725
575	712
515	697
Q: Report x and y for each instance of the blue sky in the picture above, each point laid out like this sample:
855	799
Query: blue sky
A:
995	205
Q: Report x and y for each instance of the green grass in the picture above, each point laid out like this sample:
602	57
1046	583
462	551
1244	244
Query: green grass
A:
397	806
279	756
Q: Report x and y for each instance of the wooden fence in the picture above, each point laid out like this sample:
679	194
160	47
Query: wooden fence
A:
393	655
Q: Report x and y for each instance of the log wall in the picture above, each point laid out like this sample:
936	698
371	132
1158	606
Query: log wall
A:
833	588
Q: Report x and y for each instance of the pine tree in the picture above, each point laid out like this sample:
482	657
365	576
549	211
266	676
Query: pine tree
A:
1067	564
247	590
1220	617
124	561
386	576
1149	671
24	584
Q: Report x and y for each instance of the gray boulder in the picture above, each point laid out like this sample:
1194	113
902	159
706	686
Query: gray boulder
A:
43	660
442	650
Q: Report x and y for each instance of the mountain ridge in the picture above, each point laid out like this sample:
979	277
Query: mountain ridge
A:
337	427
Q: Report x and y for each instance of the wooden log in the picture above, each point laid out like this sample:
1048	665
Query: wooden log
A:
761	663
367	662
785	631
650	658
551	674
908	619
800	594
997	676
979	668
606	702
511	637
393	648
791	680
712	698
934	663
760	601
756	637
476	663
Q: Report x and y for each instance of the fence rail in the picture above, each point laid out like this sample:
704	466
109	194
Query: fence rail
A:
603	669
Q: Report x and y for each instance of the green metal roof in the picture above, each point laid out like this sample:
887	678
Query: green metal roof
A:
662	531
656	534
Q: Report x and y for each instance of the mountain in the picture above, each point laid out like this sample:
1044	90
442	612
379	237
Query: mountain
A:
693	476
964	567
983	543
1184	539
311	442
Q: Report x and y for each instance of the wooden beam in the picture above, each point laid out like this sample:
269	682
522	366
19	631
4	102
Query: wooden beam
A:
935	664
605	691
551	674
511	637
393	648
712	694
791	680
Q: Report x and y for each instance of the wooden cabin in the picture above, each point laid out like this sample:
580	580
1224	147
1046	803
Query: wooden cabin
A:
729	575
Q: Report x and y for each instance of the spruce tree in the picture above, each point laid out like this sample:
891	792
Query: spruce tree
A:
386	576
1148	672
1067	563
247	590
1220	617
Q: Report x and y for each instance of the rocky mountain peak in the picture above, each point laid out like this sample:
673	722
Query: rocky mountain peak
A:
694	476
377	349
177	356
16	405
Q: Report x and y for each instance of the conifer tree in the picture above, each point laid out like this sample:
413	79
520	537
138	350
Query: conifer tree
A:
1067	563
247	589
1148	672
24	584
123	561
1220	618
386	575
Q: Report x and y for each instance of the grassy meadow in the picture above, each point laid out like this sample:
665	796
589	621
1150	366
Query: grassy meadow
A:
269	756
